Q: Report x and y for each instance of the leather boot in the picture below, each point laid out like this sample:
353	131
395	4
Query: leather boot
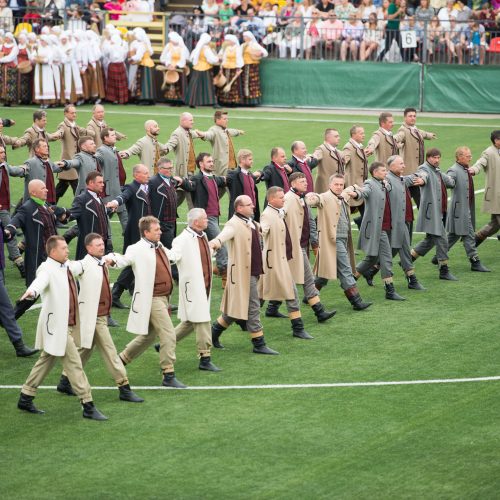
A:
298	329
112	323
321	314
444	273
475	265
318	284
90	411
355	299
370	274
260	347
23	351
25	403
413	283
127	394
171	382
479	240
217	330
64	386
272	310
21	268
390	292
434	260
206	364
116	294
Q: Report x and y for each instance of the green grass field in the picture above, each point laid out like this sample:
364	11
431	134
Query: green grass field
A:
418	441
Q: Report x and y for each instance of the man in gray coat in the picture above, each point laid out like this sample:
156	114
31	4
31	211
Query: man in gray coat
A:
461	219
432	213
374	233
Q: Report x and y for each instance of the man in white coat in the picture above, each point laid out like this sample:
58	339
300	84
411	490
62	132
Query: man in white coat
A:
194	262
148	317
58	319
94	308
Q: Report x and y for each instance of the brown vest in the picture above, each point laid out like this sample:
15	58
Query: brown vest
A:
163	276
105	298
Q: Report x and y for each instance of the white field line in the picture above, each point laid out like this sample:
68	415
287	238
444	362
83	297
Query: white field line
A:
291	386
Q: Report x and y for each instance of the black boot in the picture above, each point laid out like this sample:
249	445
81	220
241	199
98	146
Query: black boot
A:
206	364
26	403
260	347
305	301
170	381
475	265
321	314
434	260
21	268
390	292
217	330
112	322
355	299
23	351
370	274
298	329
479	240
127	394
272	310
116	294
413	283
157	347
444	273
64	386
90	411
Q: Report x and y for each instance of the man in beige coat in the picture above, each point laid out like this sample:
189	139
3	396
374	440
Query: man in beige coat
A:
331	160
97	125
36	131
240	302
490	163
383	142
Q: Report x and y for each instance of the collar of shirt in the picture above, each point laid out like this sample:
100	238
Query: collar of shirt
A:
192	231
330	147
386	132
357	144
71	124
299	159
281	211
100	124
152	244
207	175
244	171
246	220
38	201
166	179
277	166
100	261
94	195
38	129
144	188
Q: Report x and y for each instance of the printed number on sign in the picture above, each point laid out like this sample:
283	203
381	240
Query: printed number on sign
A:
409	39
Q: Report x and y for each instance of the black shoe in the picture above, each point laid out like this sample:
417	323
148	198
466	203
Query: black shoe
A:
370	274
355	299
434	260
390	292
112	322
127	394
206	364
116	294
21	268
413	283
298	329
64	386
272	310
25	403
444	273
217	330
170	381
90	411
475	265
260	347
321	314
23	351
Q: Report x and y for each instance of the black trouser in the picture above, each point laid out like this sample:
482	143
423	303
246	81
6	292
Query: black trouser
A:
390	35
62	187
126	279
415	194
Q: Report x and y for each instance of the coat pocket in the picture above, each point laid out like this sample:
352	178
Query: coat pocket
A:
132	308
367	232
427	210
267	259
47	323
456	210
231	275
186	293
487	194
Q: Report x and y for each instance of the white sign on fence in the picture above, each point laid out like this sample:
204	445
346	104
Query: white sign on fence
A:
409	39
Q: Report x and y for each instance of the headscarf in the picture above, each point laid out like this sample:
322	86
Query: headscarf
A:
204	40
177	39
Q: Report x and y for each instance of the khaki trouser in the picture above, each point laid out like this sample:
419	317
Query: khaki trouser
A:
203	335
160	325
72	365
106	346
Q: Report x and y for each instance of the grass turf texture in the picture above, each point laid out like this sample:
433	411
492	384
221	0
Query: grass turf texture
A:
354	442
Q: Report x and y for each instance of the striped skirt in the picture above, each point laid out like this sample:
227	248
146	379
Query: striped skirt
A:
200	91
9	85
251	85
144	86
234	96
117	84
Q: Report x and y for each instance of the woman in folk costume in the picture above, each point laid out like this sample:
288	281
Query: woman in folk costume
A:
95	76
25	79
253	52
45	91
57	56
108	31
144	89
200	91
117	85
174	57
73	86
9	76
231	66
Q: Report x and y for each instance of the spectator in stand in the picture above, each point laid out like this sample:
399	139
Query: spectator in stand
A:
268	15
324	7
453	37
436	40
365	9
395	13
372	38
18	8
225	12
313	35
287	13
242	9
424	13
331	33
473	41
487	16
446	14
6	17
305	9
210	9
411	54
252	23
291	38
437	5
352	34
345	10
464	13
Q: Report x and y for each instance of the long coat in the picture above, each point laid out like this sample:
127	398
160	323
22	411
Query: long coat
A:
430	217
218	137
69	145
397	200
142	257
194	305
330	161
160	194
52	284
234	182
83	163
237	236
356	168
31	135
384	145
97	129
179	143
412	146
374	194
145	148
490	163
198	189
277	282
11	171
461	207
294	217
83	209
35	169
110	169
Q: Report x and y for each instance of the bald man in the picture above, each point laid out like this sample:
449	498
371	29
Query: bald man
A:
147	148
97	125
